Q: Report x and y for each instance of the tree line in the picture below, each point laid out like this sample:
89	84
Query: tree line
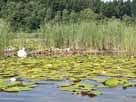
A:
28	15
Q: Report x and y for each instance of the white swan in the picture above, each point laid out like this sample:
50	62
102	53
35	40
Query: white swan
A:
22	53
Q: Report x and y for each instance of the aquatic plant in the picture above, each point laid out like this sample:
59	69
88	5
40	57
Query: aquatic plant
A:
15	86
5	35
80	89
114	82
118	70
112	35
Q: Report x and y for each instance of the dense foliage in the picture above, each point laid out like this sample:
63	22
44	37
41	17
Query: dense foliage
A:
27	15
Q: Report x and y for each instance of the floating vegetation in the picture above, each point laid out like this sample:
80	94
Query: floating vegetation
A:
114	82
80	89
109	71
15	86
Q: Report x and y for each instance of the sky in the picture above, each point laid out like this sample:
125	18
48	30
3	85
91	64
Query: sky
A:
111	0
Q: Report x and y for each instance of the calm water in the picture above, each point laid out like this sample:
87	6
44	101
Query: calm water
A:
47	91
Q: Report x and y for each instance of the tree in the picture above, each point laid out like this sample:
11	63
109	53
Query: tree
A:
58	17
88	14
73	16
134	8
28	15
65	15
49	14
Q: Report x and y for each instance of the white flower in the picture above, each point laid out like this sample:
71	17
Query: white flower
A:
12	79
49	65
103	72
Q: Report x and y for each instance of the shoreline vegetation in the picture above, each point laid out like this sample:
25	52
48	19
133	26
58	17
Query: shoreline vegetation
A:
78	24
72	52
113	36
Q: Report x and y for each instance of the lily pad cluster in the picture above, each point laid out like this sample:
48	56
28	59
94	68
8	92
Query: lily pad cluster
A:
80	89
114	82
74	68
15	86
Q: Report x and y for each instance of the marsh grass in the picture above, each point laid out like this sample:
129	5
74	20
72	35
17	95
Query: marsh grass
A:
105	35
5	35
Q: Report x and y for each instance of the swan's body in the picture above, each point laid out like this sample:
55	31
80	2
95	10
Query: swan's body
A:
22	53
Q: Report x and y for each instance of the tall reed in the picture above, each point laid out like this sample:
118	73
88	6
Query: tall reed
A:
112	34
5	35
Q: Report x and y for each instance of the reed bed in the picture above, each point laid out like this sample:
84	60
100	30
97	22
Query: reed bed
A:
105	35
109	35
5	35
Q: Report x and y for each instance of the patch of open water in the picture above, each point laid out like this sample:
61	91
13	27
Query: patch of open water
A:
47	91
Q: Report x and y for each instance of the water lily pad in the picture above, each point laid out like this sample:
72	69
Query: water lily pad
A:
113	82
16	86
80	88
112	71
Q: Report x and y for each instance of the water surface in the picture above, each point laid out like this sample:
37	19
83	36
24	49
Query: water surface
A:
47	91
